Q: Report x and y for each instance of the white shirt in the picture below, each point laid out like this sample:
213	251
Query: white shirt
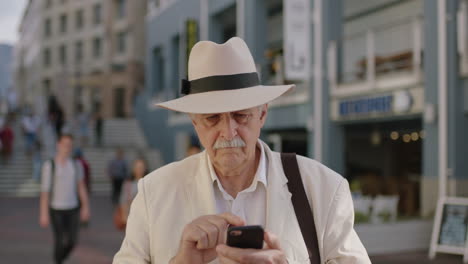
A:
65	194
249	204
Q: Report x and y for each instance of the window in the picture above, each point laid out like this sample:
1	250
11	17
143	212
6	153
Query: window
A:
79	19
158	70
46	58
121	42
78	52
48	3
63	55
63	23
97	48
97	16
120	8
47	27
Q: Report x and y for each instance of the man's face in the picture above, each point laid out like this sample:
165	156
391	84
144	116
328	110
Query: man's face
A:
223	135
65	146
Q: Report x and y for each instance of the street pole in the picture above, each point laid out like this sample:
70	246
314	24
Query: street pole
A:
442	100
318	80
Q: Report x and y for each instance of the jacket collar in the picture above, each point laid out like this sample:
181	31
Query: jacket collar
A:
200	192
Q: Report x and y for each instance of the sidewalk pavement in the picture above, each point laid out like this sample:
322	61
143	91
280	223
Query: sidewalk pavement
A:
23	241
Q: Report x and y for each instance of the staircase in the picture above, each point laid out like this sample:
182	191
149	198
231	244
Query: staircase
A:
16	177
123	133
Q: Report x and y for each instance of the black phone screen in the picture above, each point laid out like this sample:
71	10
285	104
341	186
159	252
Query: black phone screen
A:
245	237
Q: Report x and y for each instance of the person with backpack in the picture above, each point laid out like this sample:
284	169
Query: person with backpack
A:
63	199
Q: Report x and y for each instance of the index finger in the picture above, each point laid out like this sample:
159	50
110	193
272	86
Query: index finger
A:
232	219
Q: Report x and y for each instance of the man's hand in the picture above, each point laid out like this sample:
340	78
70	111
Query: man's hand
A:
44	217
202	235
44	220
271	254
84	214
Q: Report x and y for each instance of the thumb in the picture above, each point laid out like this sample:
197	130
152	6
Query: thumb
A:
271	241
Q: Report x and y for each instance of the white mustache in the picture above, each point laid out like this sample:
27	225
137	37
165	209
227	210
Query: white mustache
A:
236	142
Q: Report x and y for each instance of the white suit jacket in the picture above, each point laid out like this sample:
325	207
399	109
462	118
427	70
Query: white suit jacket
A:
174	195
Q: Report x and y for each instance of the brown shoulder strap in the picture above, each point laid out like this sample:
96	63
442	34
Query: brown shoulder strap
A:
301	205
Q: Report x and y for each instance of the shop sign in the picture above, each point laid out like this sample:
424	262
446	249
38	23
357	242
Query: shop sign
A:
366	106
450	233
296	41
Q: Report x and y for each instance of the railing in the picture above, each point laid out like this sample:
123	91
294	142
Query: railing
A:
379	51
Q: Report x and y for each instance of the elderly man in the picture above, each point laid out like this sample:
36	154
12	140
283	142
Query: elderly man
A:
182	210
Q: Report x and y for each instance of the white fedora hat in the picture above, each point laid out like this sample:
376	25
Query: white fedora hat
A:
222	78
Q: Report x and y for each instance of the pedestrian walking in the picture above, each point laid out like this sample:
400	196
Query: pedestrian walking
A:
30	125
63	200
37	161
117	171
7	137
56	115
98	126
82	124
129	191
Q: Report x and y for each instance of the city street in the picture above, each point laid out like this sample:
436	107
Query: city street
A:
23	241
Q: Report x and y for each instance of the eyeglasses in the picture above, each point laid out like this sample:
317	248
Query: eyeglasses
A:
212	120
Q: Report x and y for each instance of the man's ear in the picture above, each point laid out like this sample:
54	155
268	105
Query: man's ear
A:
192	118
264	113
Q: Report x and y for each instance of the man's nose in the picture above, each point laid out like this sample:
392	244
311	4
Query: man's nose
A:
228	127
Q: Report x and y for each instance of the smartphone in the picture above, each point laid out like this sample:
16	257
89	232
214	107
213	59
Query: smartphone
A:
245	236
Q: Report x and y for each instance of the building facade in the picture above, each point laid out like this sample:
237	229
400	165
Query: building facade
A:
87	53
27	58
370	108
6	56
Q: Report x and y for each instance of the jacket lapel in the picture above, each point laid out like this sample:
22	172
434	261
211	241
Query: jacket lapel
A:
278	198
199	190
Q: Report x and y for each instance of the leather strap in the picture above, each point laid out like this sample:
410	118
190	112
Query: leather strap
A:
301	205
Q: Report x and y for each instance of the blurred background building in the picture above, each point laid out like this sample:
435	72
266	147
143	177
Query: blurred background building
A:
90	55
84	52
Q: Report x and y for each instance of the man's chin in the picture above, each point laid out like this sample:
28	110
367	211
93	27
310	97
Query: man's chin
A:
229	160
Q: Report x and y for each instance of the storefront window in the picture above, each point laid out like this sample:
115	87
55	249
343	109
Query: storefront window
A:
384	167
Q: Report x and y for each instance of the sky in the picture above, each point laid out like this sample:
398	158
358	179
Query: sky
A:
10	16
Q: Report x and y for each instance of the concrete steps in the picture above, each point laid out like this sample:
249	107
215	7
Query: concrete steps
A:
16	177
123	132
